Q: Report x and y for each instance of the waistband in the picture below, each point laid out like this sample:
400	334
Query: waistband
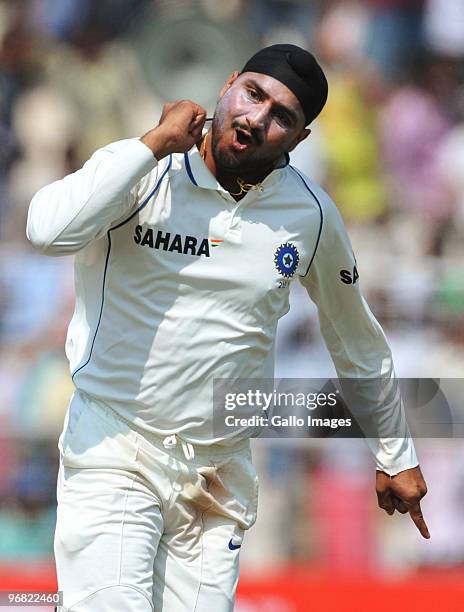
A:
173	440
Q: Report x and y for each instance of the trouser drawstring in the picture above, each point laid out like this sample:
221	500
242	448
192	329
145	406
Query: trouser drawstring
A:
170	441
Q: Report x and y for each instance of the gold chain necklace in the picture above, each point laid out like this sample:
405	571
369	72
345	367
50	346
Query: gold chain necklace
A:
244	187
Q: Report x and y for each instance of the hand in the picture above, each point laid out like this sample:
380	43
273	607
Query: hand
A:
178	129
403	492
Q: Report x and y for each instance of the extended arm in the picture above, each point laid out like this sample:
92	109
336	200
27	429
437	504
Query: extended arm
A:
360	352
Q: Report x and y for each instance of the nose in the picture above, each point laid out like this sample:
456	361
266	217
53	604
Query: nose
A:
258	118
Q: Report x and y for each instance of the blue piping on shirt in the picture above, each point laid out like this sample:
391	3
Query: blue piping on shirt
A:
189	169
320	211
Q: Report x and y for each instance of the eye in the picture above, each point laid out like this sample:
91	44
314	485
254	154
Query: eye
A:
253	94
282	118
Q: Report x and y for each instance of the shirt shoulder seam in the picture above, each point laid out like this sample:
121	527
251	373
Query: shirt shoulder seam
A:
307	189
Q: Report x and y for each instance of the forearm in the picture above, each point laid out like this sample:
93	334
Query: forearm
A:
364	364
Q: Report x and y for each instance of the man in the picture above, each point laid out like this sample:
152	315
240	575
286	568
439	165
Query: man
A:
185	247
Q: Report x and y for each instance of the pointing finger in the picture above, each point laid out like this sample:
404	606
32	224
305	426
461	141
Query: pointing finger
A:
416	515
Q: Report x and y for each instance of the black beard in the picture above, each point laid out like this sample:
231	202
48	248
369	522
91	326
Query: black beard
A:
229	164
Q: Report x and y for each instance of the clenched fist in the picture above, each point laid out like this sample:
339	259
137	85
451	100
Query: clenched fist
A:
178	129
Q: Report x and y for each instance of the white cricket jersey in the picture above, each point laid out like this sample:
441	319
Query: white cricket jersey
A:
178	284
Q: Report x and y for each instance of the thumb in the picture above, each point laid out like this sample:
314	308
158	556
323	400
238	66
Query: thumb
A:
197	123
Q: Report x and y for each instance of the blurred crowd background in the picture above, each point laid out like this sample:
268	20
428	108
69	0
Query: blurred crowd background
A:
389	148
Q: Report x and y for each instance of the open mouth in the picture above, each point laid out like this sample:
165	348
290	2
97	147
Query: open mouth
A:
242	139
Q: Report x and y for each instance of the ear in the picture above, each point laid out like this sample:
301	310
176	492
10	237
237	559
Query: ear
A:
235	74
301	136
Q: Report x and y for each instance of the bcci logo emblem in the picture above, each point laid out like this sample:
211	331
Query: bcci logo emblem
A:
286	259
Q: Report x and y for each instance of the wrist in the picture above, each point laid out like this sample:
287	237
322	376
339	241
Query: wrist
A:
158	142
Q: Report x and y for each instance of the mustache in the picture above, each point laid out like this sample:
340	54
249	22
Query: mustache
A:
255	134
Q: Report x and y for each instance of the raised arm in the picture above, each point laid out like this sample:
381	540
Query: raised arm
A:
68	214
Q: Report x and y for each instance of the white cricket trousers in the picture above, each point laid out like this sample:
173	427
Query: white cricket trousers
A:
145	523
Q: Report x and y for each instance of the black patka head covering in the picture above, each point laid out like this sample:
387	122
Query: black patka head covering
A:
298	70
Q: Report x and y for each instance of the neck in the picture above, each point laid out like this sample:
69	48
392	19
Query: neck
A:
229	179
